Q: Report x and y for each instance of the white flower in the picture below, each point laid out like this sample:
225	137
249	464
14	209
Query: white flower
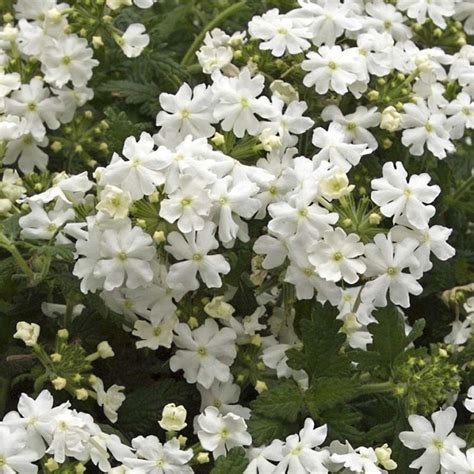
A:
385	17
331	68
238	102
300	216
386	260
26	150
335	256
435	9
398	197
134	40
173	417
68	59
111	399
27	332
15	453
152	457
327	19
219	309
461	111
189	205
431	240
204	354
140	174
125	254
158	331
300	453
233	198
289	123
465	11
469	402
214	58
144	3
423	127
335	148
280	33
360	460
436	442
115	202
33	102
225	397
220	434
193	248
43	225
355	125
459	462
188	111
67	435
260	458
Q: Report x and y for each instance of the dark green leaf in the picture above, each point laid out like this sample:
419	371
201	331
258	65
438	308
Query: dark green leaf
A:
234	462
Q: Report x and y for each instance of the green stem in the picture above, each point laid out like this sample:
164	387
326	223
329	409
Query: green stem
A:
4	390
379	387
189	56
10	247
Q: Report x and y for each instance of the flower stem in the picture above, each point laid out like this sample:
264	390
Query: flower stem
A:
21	262
188	57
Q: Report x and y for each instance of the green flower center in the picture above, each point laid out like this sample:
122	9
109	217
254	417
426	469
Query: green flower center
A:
122	256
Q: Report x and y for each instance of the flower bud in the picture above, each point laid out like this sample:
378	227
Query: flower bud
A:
202	458
173	417
81	394
217	308
375	218
391	119
28	333
159	237
261	386
56	358
218	139
51	465
104	350
59	383
63	334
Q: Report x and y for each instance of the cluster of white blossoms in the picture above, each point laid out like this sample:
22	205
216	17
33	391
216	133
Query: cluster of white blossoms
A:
38	429
225	178
44	75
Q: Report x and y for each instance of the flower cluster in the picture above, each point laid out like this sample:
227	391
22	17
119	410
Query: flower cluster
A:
45	69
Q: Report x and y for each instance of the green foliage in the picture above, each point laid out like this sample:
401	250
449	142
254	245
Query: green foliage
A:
234	462
389	340
142	408
322	342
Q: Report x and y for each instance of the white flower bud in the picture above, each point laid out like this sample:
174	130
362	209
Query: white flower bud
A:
391	119
28	333
104	350
115	202
173	417
217	308
335	186
284	91
5	206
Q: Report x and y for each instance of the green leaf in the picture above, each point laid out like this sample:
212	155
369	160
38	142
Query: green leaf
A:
264	429
322	342
283	401
389	339
234	463
327	392
142	408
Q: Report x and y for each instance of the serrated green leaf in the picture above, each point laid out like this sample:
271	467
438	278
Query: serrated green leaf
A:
142	408
327	392
234	462
389	337
321	353
264	429
284	401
